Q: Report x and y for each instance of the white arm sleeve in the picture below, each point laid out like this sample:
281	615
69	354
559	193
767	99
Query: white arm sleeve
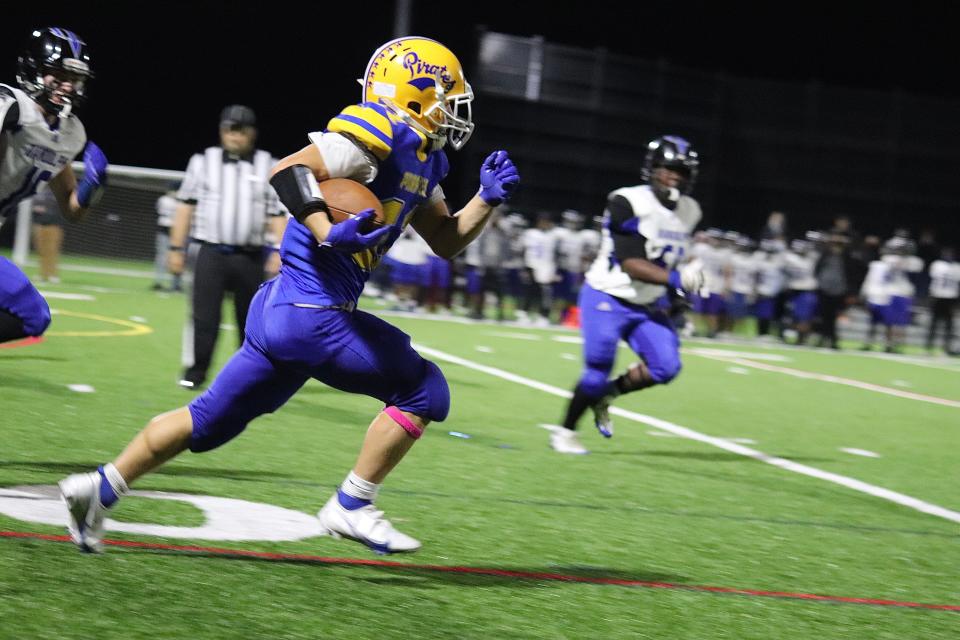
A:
343	158
436	195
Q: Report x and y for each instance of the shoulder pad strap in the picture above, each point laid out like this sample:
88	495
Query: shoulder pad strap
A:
9	109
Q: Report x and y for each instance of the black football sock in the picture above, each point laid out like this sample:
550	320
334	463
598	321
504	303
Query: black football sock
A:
634	378
11	327
579	404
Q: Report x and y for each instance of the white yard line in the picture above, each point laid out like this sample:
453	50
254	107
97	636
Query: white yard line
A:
58	295
860	452
110	271
772	357
857	384
514	335
720	443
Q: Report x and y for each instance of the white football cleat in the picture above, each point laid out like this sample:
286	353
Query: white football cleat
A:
601	416
566	441
81	493
365	525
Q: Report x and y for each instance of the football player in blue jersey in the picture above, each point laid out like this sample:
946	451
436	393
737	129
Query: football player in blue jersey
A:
40	135
646	236
304	323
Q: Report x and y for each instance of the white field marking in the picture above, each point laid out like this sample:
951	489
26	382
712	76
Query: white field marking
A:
552	428
942	363
901	383
569	356
514	335
227	327
67	296
741	440
110	271
720	443
483	349
567	339
860	452
662	434
139	319
857	384
81	388
772	357
739	371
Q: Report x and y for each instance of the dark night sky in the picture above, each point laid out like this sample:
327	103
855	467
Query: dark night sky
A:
164	70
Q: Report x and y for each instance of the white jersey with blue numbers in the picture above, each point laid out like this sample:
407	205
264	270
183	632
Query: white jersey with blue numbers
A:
32	151
667	234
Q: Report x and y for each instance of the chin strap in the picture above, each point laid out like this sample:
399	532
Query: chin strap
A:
66	109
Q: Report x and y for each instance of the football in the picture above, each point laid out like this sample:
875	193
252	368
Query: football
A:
345	198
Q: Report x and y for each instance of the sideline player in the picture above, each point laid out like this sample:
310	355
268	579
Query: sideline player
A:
646	234
39	137
304	323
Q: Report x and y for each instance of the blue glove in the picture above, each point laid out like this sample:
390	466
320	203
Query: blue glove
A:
94	175
346	237
498	178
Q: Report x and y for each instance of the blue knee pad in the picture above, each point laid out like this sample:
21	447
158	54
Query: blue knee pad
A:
431	398
663	372
32	309
593	382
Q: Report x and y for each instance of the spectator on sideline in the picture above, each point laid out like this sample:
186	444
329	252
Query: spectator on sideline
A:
944	291
834	273
166	208
47	234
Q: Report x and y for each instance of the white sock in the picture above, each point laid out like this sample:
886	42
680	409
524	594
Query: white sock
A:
117	483
357	487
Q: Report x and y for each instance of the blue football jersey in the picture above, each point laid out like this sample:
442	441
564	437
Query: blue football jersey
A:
409	169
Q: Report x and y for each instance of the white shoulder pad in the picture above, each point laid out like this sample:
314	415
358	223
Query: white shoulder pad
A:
641	199
343	158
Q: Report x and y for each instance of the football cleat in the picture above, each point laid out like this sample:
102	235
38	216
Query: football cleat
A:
81	493
566	441
601	416
365	525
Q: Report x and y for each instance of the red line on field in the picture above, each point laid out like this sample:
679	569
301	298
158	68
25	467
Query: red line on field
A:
26	342
503	573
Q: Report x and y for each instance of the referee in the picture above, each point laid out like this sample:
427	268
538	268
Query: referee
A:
228	206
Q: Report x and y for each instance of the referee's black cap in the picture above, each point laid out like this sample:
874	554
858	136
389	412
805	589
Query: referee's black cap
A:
237	115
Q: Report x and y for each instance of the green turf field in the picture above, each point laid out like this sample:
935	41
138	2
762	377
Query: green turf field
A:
626	542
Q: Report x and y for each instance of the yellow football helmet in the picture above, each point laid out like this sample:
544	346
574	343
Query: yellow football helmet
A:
422	82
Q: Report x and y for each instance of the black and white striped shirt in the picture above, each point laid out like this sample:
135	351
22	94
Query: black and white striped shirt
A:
233	196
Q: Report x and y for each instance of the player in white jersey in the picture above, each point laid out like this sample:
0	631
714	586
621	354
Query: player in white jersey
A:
768	260
646	235
876	296
743	275
166	210
570	258
800	263
715	258
540	253
407	259
39	138
899	255
944	292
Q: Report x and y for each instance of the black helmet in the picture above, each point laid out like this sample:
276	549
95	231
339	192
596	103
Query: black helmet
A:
59	52
672	152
